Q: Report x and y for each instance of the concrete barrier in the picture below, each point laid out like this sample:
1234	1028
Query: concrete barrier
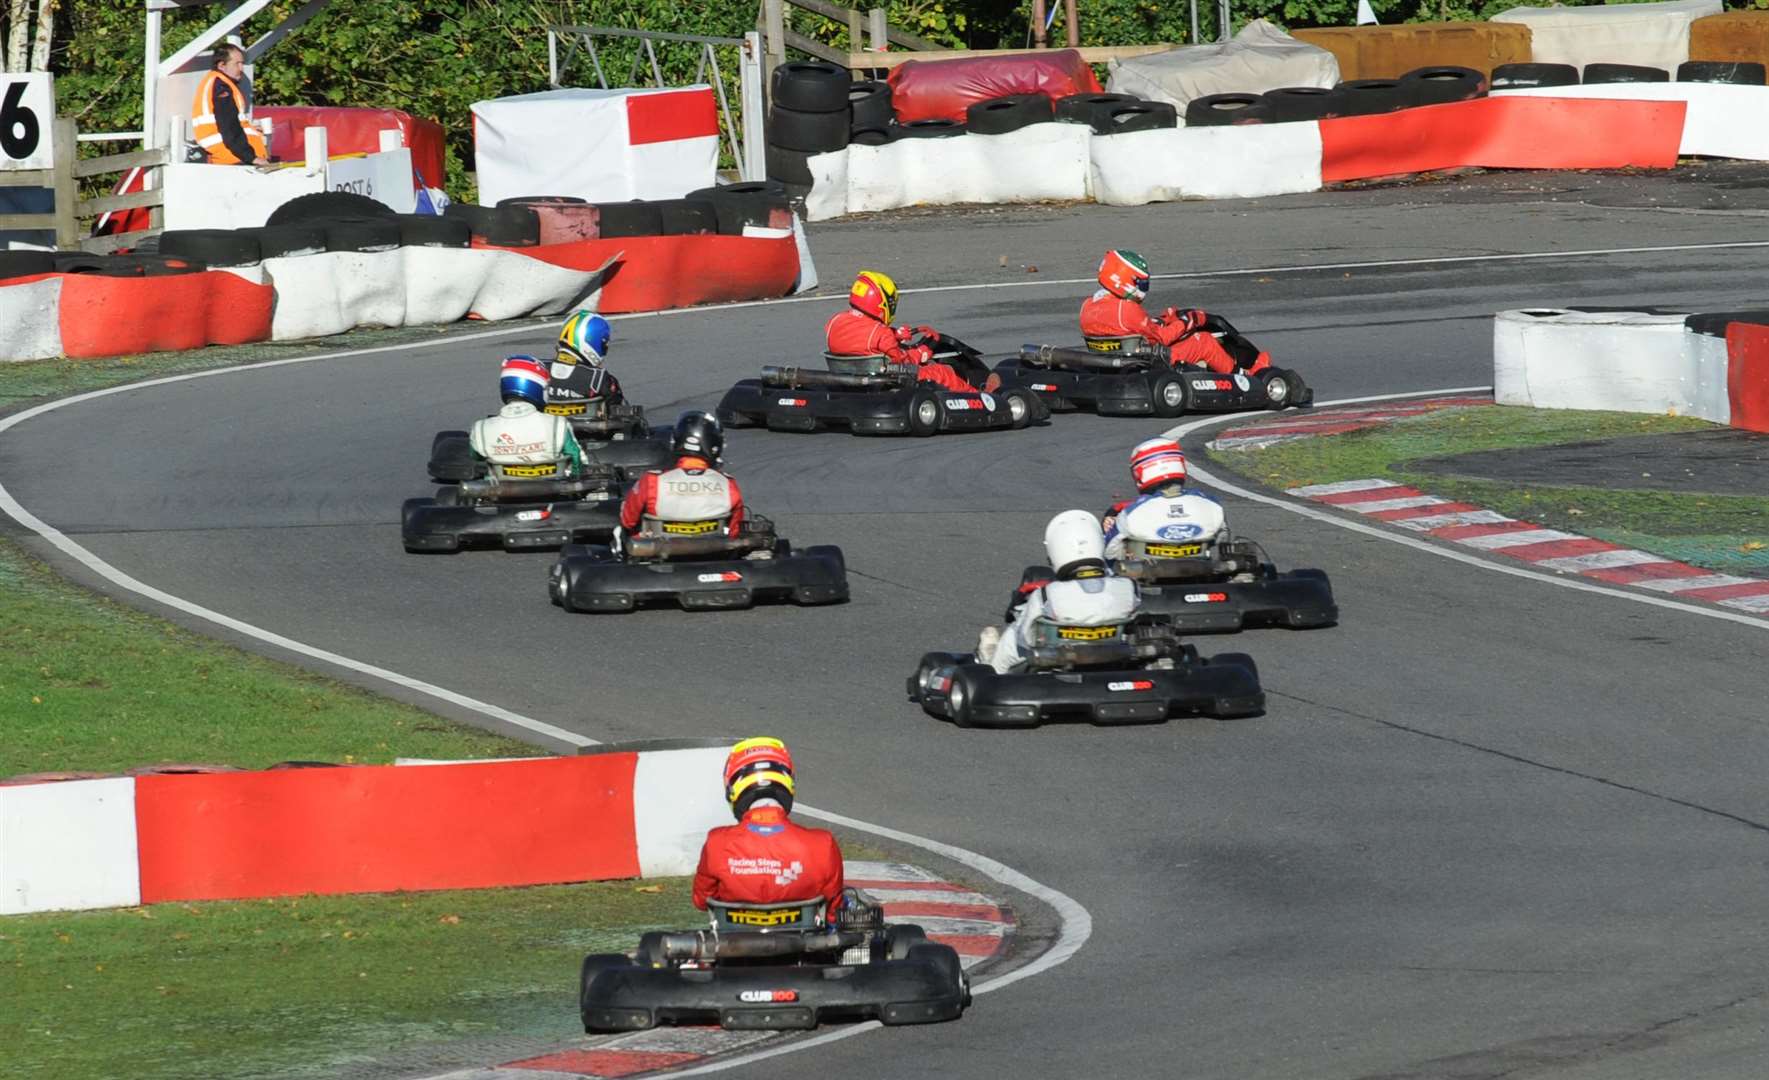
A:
1206	163
1626	361
1719	120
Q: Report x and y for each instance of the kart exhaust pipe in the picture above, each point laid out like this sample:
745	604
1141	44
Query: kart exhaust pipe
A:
1056	356
682	547
596	478
705	945
792	378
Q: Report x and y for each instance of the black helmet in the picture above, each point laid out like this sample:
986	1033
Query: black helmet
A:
699	435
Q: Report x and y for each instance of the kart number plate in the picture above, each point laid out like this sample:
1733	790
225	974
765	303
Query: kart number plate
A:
566	410
1121	687
767	997
1206	598
1087	633
747	917
1175	551
530	470
689	528
1212	384
719	578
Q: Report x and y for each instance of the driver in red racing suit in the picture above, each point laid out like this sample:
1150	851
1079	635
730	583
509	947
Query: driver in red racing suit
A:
1116	311
691	490
865	330
766	858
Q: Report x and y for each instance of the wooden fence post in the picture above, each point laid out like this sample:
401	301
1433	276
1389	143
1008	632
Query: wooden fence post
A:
774	18
67	225
856	31
880	30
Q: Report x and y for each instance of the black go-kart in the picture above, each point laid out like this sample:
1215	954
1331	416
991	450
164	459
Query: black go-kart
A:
616	435
517	508
698	566
1133	377
869	395
776	967
1216	587
1137	672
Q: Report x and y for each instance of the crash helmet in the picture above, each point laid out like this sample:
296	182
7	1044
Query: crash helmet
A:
759	768
699	435
584	339
1073	542
874	294
523	378
1154	462
1124	274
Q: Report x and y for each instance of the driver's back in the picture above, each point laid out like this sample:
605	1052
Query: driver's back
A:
693	495
520	435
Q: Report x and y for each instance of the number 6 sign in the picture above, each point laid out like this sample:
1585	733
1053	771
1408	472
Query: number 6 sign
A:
27	119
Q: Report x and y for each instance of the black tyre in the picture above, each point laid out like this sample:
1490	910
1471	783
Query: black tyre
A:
594	965
217	247
286	241
448	496
510	226
1369	97
1144	116
321	205
929	129
1022	405
900	939
361	234
1215	110
1742	73
872	136
1596	74
1525	76
871	105
17	264
788	166
810	86
688	217
157	265
1282	388
924	413
80	262
1440	85
636	218
998	116
732	419
811	132
1081	108
1292	103
752	202
541	200
1169	393
429	230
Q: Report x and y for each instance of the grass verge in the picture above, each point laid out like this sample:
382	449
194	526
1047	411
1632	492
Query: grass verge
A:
1722	532
307	986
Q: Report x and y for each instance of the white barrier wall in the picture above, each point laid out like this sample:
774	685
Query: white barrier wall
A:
239	197
68	845
1035	163
1617	360
677	796
1218	162
30	320
1723	119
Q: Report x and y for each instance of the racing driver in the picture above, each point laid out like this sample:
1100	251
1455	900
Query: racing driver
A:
766	858
578	376
865	330
692	490
1084	592
1158	467
520	434
1116	311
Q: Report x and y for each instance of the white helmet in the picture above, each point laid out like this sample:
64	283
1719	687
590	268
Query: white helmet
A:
1073	536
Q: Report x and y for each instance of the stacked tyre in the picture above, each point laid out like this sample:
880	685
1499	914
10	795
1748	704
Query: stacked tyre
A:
872	116
809	113
1113	114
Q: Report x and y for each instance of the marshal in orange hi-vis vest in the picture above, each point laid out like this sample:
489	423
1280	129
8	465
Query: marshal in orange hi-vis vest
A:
207	133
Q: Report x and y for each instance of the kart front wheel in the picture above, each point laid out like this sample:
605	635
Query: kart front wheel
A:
923	413
1021	406
1279	390
1168	394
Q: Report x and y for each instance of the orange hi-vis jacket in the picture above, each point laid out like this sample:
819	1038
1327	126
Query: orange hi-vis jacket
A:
206	130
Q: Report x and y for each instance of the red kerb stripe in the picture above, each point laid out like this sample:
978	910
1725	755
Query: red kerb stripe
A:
1658	571
1727	592
977	912
970	944
1558	549
605	1062
1423	511
1469	532
1369	495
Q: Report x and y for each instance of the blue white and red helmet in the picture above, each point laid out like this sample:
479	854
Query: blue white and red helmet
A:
584	339
523	378
1154	462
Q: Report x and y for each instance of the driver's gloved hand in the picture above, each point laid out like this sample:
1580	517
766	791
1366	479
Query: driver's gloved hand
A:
928	332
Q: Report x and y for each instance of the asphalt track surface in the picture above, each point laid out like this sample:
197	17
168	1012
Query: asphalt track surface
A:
1486	827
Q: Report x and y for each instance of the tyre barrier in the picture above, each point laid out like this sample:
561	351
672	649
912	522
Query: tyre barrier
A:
1216	109
1713	366
153	838
1597	74
1289	104
870	105
1370	97
1440	85
1742	73
998	116
1529	76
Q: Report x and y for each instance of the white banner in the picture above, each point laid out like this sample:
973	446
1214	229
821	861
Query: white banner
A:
27	120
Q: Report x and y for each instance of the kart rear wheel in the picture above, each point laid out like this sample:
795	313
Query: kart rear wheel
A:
924	413
731	418
593	965
960	696
1021	406
900	939
1168	394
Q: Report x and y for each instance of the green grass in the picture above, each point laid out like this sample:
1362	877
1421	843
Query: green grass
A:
1723	532
297	987
88	684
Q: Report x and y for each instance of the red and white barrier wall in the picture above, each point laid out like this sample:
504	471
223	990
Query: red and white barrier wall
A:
1710	366
235	835
89	315
1645	125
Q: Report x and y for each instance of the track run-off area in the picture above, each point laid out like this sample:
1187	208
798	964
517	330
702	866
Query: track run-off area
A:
1487	826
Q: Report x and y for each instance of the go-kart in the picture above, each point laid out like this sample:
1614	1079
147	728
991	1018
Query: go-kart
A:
616	435
698	565
1133	377
1128	673
869	395
776	966
516	507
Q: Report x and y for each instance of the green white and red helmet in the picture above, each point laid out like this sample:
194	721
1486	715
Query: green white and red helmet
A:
1124	274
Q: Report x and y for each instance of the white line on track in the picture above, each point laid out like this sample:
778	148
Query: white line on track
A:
1314	513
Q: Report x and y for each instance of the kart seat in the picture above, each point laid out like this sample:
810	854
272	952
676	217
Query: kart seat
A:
1114	344
876	364
766	918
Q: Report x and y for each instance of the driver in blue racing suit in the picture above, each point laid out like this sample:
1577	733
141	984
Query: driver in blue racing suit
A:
1158	467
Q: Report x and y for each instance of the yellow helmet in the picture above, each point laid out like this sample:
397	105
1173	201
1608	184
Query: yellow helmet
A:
758	768
874	294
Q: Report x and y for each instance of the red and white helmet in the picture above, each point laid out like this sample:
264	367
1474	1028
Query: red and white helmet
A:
1155	462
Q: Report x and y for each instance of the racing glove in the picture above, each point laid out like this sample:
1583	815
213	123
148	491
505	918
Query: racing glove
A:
928	333
919	354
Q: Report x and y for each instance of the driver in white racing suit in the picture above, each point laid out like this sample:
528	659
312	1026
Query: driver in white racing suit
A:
521	441
1084	592
1164	511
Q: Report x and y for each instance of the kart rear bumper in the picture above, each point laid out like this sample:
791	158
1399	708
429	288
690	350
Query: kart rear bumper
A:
425	526
1300	600
593	579
864	412
1224	687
